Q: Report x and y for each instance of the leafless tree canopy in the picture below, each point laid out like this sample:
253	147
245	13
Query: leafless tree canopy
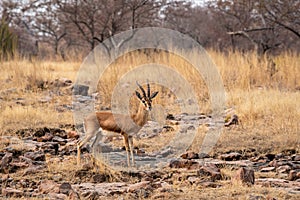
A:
264	26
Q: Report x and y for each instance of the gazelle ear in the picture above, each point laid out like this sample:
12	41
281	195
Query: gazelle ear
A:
153	95
138	95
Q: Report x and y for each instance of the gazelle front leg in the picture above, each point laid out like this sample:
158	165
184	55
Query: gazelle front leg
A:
131	150
126	143
78	153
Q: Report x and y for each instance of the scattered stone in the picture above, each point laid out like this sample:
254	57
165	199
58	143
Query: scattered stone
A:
4	167
27	160
173	122
94	191
57	177
282	175
283	169
33	169
36	156
138	186
159	196
74	195
210	170
292	175
270	156
138	151
18	165
190	155
60	140
167	128
279	156
245	175
18	147
296	157
256	197
162	186
166	152
30	155
47	186
45	138
41	132
61	82
170	117
210	184
231	156
65	188
50	147
203	155
184	164
267	169
276	182
81	90
60	133
10	192
68	149
55	196
185	128
73	134
99	178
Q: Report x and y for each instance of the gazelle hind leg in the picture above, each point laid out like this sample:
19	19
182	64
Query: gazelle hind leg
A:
131	150
81	143
95	143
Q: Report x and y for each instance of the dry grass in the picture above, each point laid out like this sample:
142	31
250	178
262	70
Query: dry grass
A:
265	100
262	94
232	191
270	120
21	89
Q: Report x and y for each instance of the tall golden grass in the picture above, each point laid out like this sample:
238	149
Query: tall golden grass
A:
264	93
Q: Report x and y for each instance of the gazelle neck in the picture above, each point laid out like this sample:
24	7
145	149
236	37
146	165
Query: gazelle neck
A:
141	117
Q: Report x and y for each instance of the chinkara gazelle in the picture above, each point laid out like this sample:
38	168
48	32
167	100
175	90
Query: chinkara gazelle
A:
126	125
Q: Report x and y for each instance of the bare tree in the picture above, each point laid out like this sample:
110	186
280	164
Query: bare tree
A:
96	20
196	21
262	23
242	18
43	18
36	20
27	41
284	13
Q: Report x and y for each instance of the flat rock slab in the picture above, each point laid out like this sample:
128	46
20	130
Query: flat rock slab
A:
100	189
278	182
119	160
267	169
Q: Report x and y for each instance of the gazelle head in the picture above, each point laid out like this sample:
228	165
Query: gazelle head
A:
146	99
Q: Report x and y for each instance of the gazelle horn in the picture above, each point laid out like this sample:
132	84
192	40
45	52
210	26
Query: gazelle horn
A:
148	87
142	89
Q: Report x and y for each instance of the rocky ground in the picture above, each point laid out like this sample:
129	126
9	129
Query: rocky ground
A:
40	163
